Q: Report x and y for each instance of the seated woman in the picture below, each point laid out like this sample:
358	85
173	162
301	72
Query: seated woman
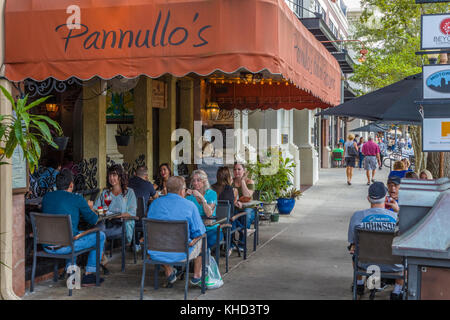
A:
164	173
205	199
399	170
425	175
122	199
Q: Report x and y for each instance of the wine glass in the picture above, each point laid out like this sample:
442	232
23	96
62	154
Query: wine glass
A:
107	201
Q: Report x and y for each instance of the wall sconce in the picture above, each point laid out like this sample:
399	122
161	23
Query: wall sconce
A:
52	107
213	110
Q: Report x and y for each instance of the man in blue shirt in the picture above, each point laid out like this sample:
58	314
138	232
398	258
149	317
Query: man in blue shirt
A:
377	218
141	186
173	206
64	202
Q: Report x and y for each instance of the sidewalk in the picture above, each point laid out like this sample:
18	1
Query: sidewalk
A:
308	258
304	256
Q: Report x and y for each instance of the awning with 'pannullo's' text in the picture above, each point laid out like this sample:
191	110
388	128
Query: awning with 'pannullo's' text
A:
155	37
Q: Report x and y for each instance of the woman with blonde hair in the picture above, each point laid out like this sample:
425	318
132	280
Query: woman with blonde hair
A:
425	175
399	169
205	199
350	154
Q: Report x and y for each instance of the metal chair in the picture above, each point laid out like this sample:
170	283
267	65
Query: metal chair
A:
374	248
56	230
141	211
169	236
223	210
242	228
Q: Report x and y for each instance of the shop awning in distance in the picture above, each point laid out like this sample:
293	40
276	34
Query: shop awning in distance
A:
155	37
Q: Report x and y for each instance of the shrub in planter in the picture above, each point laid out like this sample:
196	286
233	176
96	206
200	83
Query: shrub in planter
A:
286	202
123	135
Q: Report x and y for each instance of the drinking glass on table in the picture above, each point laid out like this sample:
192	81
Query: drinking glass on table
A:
107	201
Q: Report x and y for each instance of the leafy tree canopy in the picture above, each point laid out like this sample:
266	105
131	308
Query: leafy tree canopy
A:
390	30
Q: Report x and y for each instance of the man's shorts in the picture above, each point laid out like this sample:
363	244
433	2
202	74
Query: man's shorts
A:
196	250
370	163
350	162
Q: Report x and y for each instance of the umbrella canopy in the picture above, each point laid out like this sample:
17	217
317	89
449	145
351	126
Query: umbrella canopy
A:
394	103
371	127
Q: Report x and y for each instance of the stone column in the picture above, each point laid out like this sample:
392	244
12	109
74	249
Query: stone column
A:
167	122
94	128
187	111
111	144
143	121
308	155
7	219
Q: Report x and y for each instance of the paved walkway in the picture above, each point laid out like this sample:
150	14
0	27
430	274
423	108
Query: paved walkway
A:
307	258
304	256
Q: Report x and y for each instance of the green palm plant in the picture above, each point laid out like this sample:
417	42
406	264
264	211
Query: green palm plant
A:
25	130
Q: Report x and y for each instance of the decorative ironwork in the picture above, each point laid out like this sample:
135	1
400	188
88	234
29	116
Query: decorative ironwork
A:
44	88
85	175
43	180
130	169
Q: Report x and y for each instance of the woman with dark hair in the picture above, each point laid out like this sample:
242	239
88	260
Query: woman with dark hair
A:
164	173
118	198
224	186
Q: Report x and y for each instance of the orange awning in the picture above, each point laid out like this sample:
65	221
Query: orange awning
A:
154	37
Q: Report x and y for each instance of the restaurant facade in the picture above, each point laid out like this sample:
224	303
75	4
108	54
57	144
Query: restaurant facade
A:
155	66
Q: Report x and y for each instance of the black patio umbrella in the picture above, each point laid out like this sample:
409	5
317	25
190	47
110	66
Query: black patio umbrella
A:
371	127
394	103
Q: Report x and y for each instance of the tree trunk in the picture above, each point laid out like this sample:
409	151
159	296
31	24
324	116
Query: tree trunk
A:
433	164
420	157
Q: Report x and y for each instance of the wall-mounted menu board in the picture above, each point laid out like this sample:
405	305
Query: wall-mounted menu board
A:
19	172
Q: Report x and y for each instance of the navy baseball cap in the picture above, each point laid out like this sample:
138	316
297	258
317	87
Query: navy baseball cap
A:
377	190
394	179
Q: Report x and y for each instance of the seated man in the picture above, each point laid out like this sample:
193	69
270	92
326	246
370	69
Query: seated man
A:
379	219
141	186
393	185
63	201
173	206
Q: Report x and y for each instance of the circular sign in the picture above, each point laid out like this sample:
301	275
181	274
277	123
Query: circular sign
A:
445	26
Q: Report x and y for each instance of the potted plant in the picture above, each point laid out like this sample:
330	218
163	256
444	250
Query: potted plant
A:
123	135
272	175
286	202
60	140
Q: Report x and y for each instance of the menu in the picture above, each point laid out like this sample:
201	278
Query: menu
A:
19	170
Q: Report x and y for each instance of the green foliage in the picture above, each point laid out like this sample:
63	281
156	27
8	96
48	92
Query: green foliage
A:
25	130
127	131
272	175
292	193
390	30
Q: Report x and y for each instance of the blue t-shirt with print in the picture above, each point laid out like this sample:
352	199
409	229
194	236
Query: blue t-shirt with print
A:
210	197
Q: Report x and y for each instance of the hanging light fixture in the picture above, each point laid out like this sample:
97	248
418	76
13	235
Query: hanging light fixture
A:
212	108
52	107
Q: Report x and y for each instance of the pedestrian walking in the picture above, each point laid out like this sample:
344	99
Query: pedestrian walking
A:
361	155
350	154
371	152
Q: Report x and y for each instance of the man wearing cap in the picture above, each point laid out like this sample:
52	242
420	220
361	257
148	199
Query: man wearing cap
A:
377	218
393	185
372	161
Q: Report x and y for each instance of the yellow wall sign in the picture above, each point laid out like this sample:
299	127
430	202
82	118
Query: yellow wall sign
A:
445	129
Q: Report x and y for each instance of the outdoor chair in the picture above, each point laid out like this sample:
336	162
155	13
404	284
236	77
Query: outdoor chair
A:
141	211
122	236
169	236
374	248
223	210
336	158
243	228
56	230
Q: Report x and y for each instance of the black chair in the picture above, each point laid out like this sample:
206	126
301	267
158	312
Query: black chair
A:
169	236
223	211
374	248
56	230
336	158
141	211
122	236
242	216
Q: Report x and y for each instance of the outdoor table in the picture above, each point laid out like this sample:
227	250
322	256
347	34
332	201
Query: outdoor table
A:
212	221
34	202
108	216
250	204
